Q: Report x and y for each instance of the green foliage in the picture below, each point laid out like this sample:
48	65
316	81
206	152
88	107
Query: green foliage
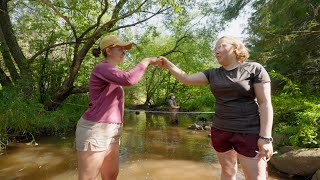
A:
188	47
231	9
285	35
301	125
295	116
285	109
175	4
201	102
283	85
41	24
23	119
49	76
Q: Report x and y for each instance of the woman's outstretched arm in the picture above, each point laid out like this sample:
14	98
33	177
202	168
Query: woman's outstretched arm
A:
193	79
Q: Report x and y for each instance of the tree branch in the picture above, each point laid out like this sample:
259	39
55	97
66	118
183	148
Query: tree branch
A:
174	49
115	19
115	14
306	31
80	89
30	61
138	22
62	16
98	20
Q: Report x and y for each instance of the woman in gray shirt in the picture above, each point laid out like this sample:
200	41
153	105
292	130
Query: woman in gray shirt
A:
243	118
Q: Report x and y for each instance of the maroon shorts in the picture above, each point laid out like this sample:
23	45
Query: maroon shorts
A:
244	143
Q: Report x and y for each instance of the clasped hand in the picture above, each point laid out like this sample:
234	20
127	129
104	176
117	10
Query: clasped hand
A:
161	62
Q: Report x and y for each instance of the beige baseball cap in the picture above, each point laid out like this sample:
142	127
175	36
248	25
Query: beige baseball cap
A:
113	41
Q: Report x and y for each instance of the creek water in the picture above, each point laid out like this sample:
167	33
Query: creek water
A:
153	146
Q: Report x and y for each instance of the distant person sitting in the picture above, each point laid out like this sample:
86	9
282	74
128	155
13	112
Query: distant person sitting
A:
172	102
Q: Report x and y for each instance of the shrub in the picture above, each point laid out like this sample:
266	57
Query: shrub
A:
23	119
302	126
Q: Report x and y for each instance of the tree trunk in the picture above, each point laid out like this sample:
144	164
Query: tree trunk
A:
7	58
67	87
4	79
27	82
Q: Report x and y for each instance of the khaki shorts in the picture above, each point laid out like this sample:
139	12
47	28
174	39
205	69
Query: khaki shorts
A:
95	135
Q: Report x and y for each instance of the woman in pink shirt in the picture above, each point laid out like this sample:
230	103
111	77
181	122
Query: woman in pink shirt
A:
100	127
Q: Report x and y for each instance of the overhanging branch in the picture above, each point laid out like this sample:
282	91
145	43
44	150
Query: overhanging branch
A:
98	20
138	22
80	89
174	49
62	16
46	49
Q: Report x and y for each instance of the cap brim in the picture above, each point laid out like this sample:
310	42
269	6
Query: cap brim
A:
124	45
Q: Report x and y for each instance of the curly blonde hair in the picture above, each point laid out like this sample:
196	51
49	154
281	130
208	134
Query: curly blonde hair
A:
241	51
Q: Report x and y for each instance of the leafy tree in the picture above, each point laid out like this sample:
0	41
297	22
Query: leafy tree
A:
290	40
284	34
46	43
186	40
61	33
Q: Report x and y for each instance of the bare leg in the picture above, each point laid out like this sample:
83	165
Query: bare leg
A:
228	162
110	166
253	168
89	164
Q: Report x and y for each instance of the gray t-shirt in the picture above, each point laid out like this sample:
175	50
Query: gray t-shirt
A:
236	105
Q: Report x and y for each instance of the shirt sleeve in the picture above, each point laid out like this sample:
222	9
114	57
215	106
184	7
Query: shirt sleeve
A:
116	76
207	74
261	75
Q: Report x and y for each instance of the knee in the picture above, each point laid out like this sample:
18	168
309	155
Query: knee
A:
228	172
110	175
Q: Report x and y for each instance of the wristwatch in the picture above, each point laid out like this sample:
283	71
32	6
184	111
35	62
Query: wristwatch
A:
267	139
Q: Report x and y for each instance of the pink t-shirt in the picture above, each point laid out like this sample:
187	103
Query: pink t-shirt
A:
106	93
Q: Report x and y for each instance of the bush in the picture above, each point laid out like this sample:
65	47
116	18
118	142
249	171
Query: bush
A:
23	119
296	112
285	108
299	120
203	103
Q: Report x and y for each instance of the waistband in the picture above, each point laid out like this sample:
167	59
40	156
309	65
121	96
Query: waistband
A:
100	122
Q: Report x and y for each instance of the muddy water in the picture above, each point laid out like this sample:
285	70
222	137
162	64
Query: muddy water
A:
153	146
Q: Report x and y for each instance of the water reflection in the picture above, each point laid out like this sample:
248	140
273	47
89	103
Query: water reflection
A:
152	147
147	134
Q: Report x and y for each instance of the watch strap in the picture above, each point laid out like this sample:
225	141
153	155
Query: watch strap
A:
267	139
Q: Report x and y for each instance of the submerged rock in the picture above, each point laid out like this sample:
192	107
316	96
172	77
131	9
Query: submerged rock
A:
195	127
200	126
